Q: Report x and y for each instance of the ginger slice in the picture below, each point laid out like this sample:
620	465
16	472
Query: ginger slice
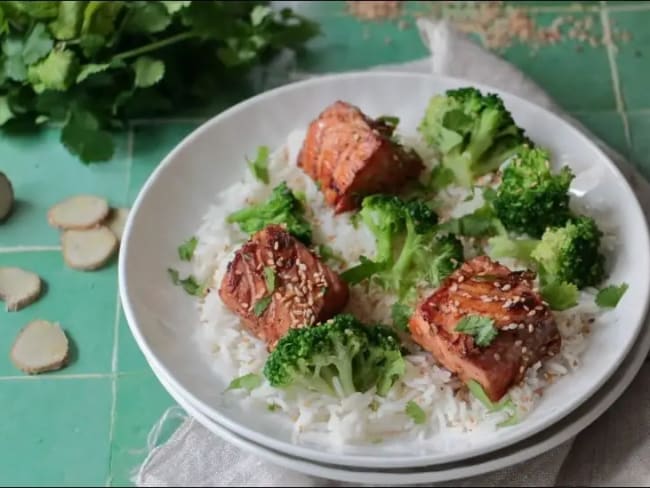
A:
6	197
41	346
78	212
90	249
18	288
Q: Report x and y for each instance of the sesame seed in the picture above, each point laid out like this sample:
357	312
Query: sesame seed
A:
497	284
244	304
524	349
497	356
276	245
454	287
522	369
506	287
461	278
531	328
518	343
521	326
539	307
531	313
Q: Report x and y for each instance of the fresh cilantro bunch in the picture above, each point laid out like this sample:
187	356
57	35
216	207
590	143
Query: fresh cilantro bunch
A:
92	65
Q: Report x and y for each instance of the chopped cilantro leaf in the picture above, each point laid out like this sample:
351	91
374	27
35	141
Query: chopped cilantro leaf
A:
479	327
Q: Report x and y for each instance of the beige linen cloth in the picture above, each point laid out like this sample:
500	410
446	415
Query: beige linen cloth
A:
614	451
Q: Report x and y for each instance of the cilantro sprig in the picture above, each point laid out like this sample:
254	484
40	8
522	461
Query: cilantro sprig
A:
479	327
93	66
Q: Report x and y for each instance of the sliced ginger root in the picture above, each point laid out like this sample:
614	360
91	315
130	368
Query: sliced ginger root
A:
41	346
78	212
18	288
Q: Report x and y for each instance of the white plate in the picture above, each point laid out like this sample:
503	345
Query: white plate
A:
561	432
177	195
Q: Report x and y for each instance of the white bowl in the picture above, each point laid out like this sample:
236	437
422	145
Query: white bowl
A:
560	432
177	195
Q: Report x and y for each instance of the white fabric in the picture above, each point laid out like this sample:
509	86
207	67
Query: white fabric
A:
613	452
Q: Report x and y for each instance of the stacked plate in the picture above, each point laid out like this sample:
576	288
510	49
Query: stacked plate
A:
163	322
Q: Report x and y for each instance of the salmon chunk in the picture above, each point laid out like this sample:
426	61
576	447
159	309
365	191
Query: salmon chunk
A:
527	331
350	155
275	283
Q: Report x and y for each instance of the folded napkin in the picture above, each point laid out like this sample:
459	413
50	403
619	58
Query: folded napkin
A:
612	452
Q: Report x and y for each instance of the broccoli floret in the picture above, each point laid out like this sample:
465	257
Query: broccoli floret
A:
482	222
311	357
503	247
380	363
531	198
384	216
444	256
282	207
405	239
359	356
571	254
474	132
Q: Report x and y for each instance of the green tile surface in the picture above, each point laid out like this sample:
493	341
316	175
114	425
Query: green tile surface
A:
89	422
55	431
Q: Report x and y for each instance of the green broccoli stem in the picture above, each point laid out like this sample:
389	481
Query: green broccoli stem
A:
345	376
316	383
243	214
461	166
405	259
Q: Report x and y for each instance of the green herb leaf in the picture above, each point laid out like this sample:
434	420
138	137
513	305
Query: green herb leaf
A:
5	110
477	390
401	314
441	177
414	411
56	72
173	275
560	296
260	165
147	17
273	407
189	284
248	382
259	13
174	6
328	254
510	421
269	278
261	305
610	296
506	403
68	23
37	45
186	250
99	17
82	136
91	69
480	327
390	120
148	71
364	270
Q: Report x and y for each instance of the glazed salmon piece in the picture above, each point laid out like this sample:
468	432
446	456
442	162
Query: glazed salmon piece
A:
296	290
527	331
350	155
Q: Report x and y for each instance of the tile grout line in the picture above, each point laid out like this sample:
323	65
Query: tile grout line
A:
638	7
80	376
616	84
29	249
116	324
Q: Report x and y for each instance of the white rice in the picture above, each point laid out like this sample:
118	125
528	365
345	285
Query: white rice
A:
363	417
